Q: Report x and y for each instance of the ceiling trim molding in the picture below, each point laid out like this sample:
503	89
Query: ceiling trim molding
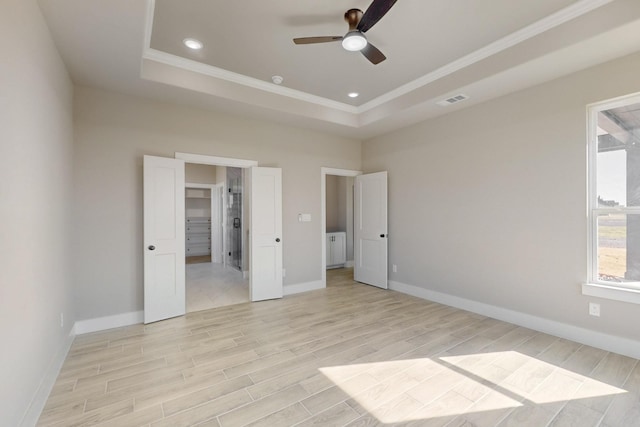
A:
219	73
148	28
549	22
530	31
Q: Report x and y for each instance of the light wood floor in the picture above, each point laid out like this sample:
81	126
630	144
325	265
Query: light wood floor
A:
348	355
197	259
211	285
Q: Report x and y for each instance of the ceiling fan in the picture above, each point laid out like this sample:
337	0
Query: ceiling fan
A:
359	23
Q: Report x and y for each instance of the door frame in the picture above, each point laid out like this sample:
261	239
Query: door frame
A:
219	206
204	159
323	212
243	164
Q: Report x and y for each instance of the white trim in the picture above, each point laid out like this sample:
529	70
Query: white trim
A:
340	172
601	340
303	287
215	161
151	10
616	293
349	264
109	322
48	380
323	213
545	24
617	102
627	292
219	73
218	205
197	185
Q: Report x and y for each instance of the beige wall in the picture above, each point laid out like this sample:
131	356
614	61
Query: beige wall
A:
35	178
200	174
332	204
114	131
489	203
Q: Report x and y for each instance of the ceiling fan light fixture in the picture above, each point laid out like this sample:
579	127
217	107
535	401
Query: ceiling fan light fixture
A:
354	41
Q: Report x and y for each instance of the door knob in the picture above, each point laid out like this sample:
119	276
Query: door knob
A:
152	248
278	240
382	235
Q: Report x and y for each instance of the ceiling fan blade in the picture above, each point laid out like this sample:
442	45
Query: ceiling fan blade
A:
312	40
373	54
376	11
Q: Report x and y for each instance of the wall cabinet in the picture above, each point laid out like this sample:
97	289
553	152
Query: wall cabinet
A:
336	249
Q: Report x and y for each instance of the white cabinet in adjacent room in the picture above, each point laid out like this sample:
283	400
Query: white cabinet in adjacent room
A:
336	249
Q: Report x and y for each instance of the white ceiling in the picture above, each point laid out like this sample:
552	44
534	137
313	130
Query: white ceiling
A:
434	49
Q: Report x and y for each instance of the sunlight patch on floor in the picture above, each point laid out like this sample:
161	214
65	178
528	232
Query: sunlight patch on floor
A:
446	387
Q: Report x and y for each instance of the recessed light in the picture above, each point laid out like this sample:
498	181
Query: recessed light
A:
353	94
277	79
193	44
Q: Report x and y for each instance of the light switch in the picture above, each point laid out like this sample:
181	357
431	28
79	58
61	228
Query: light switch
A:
304	217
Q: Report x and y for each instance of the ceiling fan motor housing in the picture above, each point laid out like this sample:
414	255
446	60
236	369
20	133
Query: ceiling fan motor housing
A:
353	17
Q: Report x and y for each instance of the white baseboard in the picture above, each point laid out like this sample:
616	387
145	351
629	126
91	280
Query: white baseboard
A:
620	345
49	379
303	287
108	322
349	264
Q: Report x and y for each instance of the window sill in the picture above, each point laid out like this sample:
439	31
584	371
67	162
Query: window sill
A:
612	292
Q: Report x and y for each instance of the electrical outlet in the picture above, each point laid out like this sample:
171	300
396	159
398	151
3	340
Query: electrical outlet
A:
594	309
394	268
62	320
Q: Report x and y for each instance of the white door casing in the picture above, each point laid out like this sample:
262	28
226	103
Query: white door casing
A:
266	234
216	224
164	238
370	229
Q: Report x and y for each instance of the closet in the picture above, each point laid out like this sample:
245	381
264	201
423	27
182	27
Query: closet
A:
198	222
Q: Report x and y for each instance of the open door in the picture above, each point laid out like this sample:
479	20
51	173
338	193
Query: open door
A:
266	234
164	243
370	229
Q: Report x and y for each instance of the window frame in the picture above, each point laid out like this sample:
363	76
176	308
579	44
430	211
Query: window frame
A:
630	291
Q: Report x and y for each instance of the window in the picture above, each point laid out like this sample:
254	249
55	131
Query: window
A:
614	194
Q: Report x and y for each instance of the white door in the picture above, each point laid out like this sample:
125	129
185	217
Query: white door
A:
266	234
164	245
370	229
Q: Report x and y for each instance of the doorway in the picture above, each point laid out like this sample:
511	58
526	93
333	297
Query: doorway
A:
214	255
337	219
164	231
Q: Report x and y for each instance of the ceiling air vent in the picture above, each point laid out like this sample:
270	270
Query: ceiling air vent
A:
452	100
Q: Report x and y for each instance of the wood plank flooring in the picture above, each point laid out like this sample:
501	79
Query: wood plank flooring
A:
211	285
348	355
